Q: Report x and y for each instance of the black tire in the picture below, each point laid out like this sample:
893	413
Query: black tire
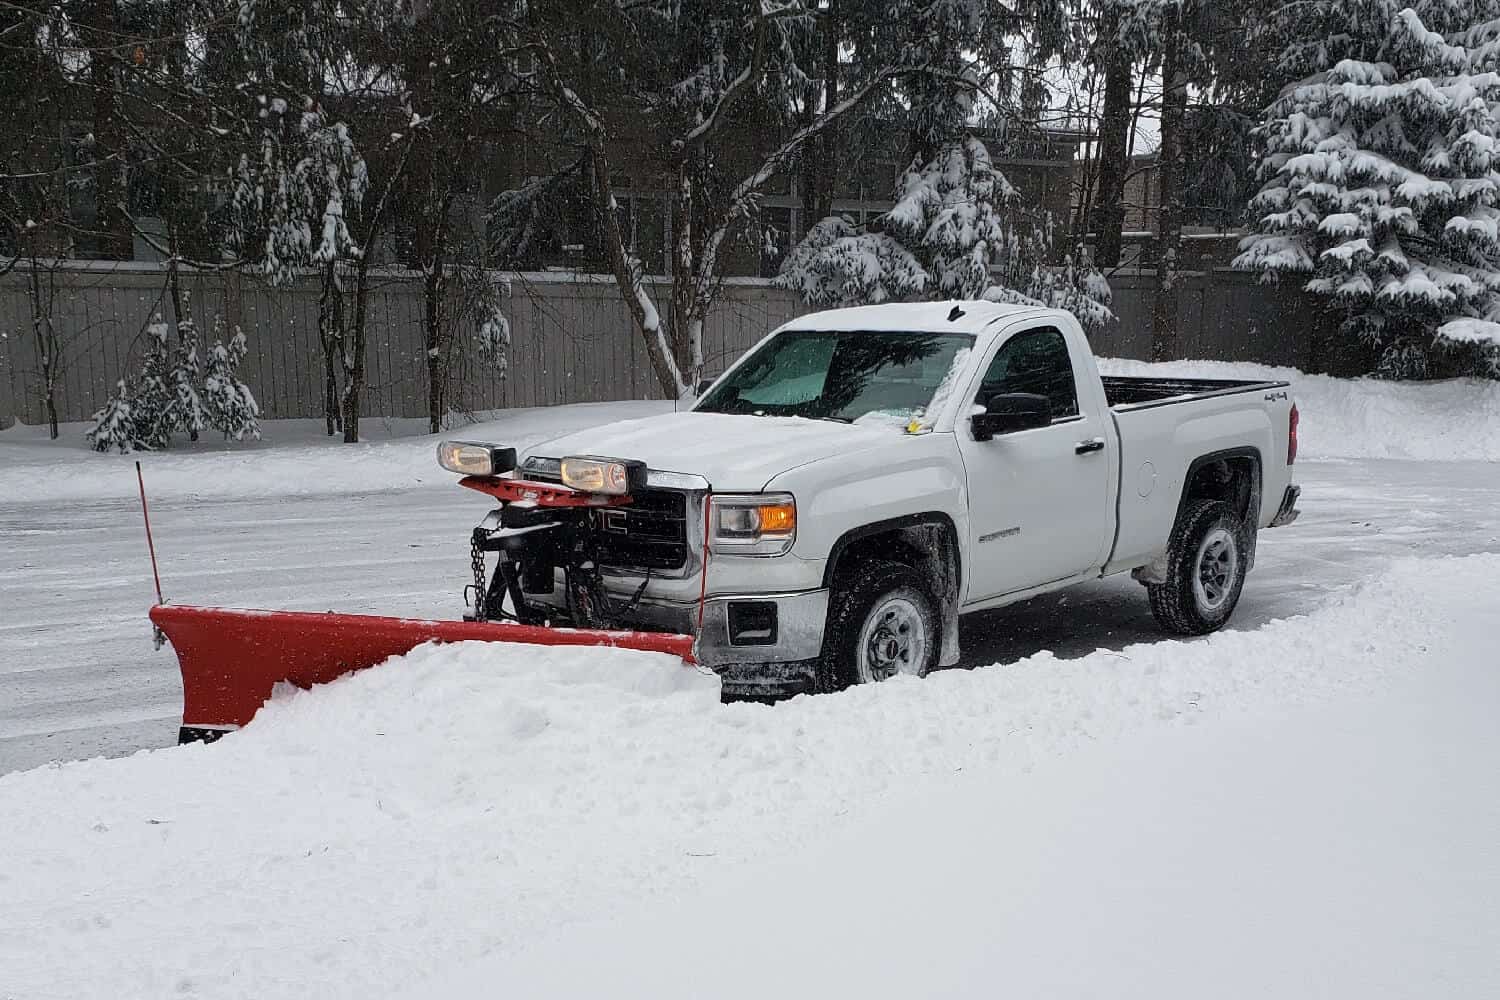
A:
903	598
1206	563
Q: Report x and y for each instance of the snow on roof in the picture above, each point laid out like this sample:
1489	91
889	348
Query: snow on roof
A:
927	317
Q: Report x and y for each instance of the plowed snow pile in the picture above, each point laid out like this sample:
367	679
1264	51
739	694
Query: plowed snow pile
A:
465	805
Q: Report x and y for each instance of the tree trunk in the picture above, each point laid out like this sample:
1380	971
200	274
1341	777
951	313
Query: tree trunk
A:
818	172
331	335
46	340
1108	217
180	313
433	281
627	278
1165	341
353	347
686	318
352	343
112	226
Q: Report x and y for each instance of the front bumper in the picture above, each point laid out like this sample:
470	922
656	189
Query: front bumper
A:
763	666
1287	512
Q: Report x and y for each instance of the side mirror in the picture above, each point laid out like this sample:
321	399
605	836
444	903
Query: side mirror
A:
1007	412
704	385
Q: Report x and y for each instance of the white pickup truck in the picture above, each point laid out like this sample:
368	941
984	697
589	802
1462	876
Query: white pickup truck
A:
862	477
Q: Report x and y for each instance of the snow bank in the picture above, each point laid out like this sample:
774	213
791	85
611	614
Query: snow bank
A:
464	803
294	459
1342	854
1452	420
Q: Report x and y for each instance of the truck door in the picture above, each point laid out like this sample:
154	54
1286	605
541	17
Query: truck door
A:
1038	498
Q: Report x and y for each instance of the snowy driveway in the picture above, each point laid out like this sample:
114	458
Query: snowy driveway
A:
78	676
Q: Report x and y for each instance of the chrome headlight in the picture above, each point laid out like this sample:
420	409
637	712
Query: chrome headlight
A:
753	524
472	459
607	476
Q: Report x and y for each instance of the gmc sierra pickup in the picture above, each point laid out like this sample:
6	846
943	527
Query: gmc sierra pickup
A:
862	477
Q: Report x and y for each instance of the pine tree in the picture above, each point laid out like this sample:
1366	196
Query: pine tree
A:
185	410
154	392
172	393
1382	177
114	428
229	403
955	232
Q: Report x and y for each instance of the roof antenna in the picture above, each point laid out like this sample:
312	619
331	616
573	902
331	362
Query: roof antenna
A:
955	314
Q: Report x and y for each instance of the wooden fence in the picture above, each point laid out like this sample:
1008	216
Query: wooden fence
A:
571	339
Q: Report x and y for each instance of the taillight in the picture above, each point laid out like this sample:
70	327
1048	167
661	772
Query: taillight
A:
1291	437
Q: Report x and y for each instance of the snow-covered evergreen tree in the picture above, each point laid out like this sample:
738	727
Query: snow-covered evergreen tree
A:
113	428
955	232
230	405
185	410
154	391
1382	175
173	393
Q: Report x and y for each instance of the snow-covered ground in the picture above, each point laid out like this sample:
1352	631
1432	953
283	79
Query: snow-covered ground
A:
296	458
1303	806
1307	809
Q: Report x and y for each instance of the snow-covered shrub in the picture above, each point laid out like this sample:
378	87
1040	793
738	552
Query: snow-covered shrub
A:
955	232
185	408
230	405
154	392
113	429
1382	176
172	393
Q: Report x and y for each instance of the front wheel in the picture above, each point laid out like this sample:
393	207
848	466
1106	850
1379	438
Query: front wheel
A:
882	623
1206	565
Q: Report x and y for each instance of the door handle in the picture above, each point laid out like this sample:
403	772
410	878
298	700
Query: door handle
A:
1088	447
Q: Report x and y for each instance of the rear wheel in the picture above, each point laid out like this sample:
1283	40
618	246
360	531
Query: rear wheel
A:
1206	566
882	623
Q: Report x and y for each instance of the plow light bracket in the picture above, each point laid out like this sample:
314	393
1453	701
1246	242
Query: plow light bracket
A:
605	476
472	458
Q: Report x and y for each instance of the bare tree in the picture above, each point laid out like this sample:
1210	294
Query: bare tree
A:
706	210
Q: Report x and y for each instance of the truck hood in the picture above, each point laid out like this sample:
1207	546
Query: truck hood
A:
733	452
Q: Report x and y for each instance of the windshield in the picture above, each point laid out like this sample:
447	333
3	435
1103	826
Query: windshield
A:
845	376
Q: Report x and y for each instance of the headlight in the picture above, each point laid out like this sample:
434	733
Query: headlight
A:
609	476
758	524
472	459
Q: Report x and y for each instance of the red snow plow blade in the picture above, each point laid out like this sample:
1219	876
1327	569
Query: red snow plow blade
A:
232	658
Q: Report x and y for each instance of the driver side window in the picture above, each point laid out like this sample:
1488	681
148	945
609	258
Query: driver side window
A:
1035	361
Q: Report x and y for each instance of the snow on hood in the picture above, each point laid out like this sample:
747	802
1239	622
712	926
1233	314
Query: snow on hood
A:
731	451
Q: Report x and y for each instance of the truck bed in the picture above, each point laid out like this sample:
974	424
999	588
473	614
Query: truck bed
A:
1124	391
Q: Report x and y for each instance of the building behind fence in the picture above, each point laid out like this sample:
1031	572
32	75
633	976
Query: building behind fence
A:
571	336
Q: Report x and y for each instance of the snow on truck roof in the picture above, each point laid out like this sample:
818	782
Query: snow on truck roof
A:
925	317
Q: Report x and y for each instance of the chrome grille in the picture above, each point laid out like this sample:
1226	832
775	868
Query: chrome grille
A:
649	533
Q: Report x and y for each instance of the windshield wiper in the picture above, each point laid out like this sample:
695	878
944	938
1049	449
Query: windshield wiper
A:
838	420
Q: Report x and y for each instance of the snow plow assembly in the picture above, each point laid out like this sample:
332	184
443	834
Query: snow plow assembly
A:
545	538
